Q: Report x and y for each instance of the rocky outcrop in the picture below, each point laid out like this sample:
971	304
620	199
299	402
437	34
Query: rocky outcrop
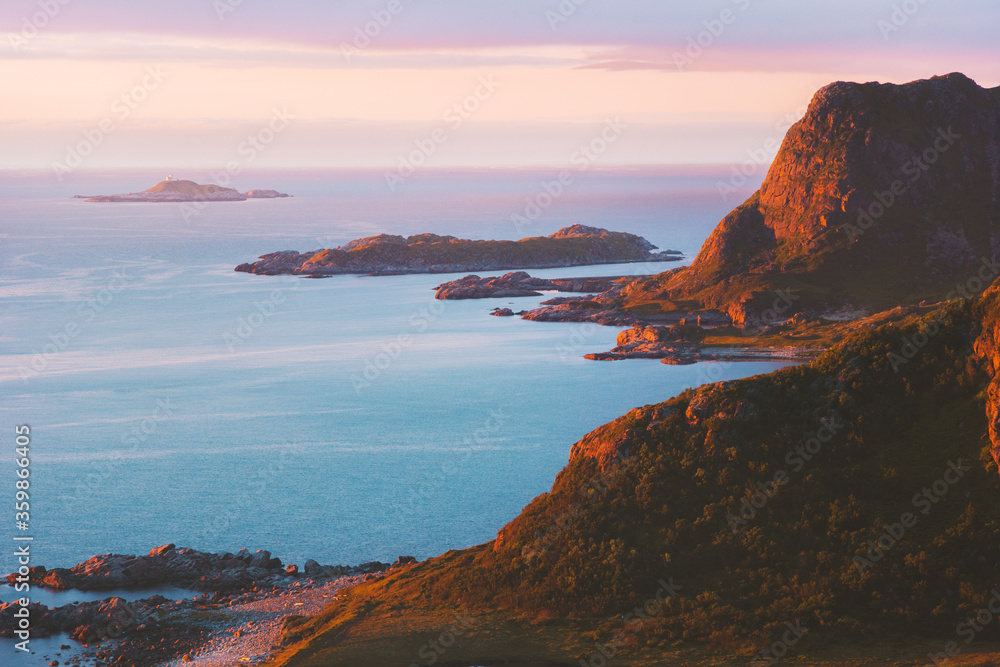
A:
612	443
881	195
158	630
86	622
183	191
987	348
581	311
388	254
678	343
520	283
185	568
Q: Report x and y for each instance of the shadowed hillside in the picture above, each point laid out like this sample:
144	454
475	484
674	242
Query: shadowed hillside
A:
855	496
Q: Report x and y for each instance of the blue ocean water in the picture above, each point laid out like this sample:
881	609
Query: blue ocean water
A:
350	419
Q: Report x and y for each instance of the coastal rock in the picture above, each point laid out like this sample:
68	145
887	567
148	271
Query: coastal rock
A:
612	443
987	348
160	551
582	311
388	254
261	559
57	579
677	344
186	568
502	312
519	283
641	335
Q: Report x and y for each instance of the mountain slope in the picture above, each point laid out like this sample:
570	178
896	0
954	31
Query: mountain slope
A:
882	194
855	496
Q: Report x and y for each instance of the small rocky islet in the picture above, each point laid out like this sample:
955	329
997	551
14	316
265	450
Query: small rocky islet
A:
185	191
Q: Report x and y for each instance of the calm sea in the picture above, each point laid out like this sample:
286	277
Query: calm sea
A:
171	399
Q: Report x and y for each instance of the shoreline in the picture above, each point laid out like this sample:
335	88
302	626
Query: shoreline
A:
244	596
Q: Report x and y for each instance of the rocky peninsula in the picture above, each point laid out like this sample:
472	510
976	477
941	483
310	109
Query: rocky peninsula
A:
182	191
387	254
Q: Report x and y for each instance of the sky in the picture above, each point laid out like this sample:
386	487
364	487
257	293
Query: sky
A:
394	84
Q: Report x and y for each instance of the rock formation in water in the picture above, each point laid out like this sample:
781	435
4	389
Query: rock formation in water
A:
385	254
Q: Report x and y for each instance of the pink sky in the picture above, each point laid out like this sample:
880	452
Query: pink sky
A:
187	83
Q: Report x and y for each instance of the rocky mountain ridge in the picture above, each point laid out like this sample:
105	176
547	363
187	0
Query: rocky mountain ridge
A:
882	195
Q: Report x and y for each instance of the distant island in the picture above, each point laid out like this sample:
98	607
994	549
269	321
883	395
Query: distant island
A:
385	254
185	191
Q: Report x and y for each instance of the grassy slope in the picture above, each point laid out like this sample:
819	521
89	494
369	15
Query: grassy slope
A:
665	515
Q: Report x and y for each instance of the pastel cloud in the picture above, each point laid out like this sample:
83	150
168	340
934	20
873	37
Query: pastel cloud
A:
671	69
